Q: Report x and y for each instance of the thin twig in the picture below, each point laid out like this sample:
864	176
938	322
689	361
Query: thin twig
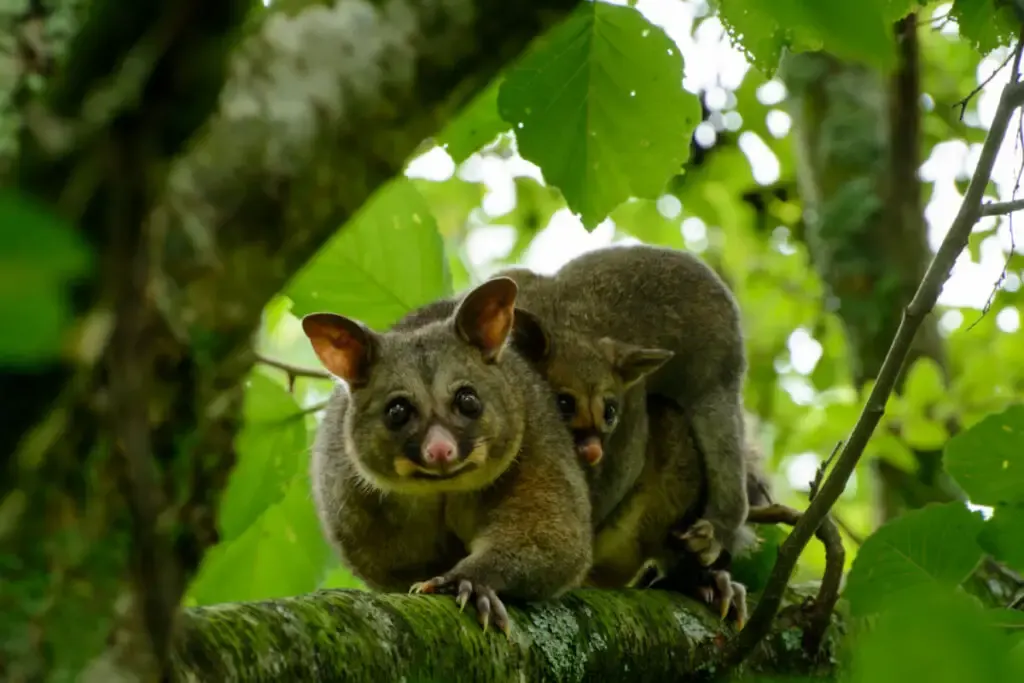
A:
981	86
1001	208
1019	145
819	475
293	370
924	300
835	556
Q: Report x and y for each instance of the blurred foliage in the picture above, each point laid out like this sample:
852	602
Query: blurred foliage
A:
594	106
40	257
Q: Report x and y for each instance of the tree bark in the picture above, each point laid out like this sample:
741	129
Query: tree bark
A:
122	449
857	138
589	635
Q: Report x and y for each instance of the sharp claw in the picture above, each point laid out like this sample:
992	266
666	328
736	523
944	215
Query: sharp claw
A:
739	601
417	587
485	619
461	600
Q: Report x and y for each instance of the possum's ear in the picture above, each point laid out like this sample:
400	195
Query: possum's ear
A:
345	347
485	316
632	362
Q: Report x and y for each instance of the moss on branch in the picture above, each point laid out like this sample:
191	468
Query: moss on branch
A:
631	635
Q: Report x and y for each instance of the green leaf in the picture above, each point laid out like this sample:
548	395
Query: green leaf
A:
933	546
754	569
40	256
855	31
1003	536
339	577
387	260
922	433
272	448
641	219
858	31
753	27
600	107
939	637
282	554
477	125
450	202
987	460
987	24
925	384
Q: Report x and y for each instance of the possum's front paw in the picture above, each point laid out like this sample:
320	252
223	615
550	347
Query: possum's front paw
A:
489	607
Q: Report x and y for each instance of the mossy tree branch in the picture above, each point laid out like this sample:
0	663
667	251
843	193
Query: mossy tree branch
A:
589	635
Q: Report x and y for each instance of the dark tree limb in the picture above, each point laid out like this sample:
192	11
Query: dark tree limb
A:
924	300
345	635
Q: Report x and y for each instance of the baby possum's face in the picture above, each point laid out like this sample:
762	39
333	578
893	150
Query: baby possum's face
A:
590	378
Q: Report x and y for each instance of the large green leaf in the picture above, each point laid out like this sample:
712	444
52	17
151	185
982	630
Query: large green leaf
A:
755	29
387	260
1003	535
933	546
475	126
39	256
987	24
600	107
855	31
938	637
282	554
272	448
987	460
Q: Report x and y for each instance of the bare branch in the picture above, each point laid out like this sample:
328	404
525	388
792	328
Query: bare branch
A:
835	555
923	302
293	370
1001	208
981	86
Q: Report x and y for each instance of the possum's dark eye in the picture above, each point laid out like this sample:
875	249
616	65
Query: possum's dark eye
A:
468	403
398	412
611	411
566	405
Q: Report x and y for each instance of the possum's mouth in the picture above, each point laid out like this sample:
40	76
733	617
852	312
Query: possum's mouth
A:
456	470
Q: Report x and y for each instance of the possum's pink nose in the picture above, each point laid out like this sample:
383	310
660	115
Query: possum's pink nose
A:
439	447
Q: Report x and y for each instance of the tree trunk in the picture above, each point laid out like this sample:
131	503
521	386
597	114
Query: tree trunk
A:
589	635
116	456
857	138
